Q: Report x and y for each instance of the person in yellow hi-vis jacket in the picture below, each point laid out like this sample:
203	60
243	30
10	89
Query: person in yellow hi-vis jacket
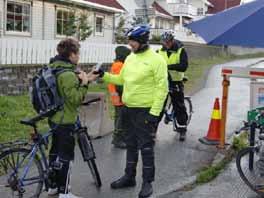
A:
115	94
144	77
177	61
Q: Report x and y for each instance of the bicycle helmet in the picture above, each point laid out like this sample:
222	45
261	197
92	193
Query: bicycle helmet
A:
139	33
167	36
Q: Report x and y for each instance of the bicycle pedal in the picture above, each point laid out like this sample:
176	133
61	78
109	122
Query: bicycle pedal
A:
57	165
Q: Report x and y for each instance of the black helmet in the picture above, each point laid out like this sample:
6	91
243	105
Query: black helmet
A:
139	33
121	53
167	36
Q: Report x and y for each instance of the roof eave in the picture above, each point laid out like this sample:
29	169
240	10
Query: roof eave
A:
95	5
163	15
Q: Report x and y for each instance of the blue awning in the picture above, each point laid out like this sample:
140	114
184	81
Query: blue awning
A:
242	26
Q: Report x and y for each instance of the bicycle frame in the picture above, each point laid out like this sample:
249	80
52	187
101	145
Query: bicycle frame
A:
35	148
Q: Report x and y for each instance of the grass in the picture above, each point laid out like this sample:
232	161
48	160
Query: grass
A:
207	174
15	108
12	110
199	67
240	142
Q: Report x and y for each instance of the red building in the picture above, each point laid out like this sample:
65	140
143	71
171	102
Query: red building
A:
220	5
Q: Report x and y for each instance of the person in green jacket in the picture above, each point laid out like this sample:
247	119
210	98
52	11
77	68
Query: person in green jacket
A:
73	89
145	87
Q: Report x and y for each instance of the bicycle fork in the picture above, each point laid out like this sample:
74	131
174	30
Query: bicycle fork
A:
251	144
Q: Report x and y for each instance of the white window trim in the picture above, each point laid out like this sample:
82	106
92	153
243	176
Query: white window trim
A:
17	33
60	36
103	24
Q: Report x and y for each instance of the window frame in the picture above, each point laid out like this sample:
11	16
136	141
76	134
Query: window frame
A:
19	33
200	11
95	27
63	9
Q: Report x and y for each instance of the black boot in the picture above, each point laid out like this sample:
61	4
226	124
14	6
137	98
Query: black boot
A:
146	190
124	182
182	130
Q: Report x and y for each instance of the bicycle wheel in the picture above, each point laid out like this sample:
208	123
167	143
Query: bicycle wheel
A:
94	171
189	108
88	154
13	164
251	177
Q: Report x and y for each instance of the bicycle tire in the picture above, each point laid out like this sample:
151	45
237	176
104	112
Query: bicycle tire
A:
241	154
86	147
25	152
95	173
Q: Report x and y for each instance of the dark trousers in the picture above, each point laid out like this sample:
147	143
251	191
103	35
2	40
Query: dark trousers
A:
140	135
119	131
177	97
60	155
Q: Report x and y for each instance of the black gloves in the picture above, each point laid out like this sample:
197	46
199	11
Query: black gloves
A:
152	119
100	72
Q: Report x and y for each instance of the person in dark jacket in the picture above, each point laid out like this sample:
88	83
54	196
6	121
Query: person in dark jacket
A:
73	89
115	92
177	61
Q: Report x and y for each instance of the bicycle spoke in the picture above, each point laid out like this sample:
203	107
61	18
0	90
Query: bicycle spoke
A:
12	182
4	165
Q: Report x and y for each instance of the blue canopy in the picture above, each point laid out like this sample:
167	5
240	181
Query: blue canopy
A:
242	25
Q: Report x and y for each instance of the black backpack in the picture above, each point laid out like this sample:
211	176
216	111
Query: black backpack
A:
44	93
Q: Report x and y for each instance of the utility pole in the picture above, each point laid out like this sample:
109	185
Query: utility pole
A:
145	11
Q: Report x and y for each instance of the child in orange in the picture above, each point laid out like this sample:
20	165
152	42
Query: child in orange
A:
116	96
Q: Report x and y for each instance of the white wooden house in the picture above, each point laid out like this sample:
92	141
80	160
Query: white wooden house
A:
45	19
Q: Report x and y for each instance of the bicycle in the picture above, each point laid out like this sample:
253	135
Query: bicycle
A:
169	111
24	168
248	161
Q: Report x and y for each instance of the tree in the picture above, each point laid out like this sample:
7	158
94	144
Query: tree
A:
84	29
70	25
77	25
137	21
120	31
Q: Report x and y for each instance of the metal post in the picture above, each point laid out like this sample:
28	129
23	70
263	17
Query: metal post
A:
252	143
225	84
146	19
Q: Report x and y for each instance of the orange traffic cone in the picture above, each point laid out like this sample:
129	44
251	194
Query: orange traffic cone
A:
213	134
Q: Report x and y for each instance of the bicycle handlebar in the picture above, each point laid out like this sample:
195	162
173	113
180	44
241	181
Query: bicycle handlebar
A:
87	103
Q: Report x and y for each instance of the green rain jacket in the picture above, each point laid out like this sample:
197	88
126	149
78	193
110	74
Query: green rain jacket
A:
69	88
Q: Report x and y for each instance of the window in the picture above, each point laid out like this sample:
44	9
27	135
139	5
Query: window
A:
18	17
171	26
99	25
157	23
200	11
62	18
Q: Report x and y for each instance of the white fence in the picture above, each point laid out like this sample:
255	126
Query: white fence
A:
27	51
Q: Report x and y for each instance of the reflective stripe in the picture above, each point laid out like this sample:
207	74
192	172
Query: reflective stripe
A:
216	115
114	94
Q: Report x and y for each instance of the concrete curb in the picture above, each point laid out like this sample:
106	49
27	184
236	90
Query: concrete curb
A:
177	186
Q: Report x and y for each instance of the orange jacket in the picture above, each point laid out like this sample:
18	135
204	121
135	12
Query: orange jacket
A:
115	97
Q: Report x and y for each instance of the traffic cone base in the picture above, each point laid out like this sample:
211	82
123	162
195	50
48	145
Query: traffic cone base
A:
206	141
213	134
